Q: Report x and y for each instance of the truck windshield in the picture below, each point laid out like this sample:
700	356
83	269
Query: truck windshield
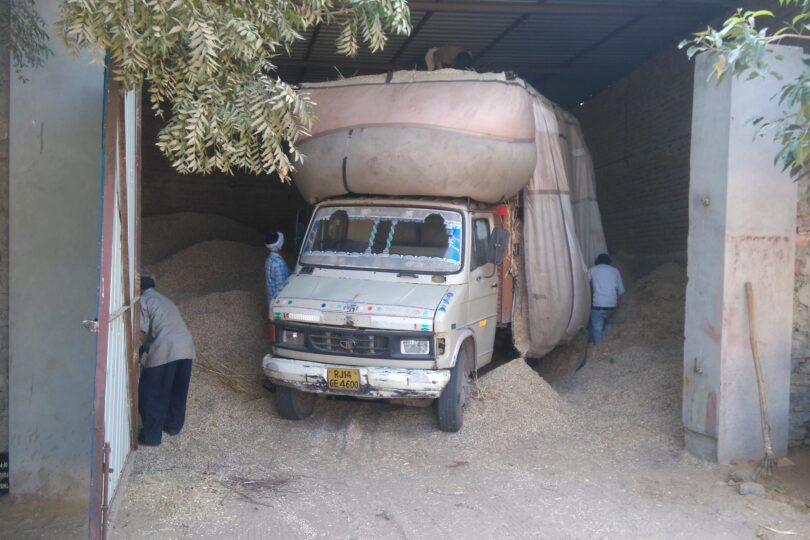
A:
415	240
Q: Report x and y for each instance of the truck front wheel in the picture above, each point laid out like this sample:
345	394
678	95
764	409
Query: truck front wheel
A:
451	403
294	404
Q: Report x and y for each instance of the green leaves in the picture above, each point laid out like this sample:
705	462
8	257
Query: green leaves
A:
22	30
211	63
742	49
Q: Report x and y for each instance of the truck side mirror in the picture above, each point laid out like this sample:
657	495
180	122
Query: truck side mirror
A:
498	242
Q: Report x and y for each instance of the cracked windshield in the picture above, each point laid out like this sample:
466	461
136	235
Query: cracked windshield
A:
385	238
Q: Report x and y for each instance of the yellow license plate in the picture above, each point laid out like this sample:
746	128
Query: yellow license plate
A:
343	379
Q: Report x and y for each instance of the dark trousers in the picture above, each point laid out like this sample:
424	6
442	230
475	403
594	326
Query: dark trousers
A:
162	395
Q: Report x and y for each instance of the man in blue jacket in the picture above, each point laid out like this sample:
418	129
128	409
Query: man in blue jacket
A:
607	287
275	269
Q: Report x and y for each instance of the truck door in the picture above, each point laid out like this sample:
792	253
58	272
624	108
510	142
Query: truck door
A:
483	289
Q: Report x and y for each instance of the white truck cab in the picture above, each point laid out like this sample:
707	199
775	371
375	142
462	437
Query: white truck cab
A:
390	298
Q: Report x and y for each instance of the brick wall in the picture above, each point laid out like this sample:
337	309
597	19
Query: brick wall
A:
639	133
261	202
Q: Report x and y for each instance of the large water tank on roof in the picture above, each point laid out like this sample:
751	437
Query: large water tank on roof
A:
445	133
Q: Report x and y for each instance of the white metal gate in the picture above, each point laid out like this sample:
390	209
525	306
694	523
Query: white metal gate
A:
117	403
119	317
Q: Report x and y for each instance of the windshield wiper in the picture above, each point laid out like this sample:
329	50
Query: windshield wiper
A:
407	274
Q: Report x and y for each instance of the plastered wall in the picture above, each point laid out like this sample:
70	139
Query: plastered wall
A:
4	130
54	170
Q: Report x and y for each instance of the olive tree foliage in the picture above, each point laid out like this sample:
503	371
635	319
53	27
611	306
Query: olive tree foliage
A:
742	49
211	63
23	35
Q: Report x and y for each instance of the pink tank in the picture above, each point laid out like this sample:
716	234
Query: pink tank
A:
443	133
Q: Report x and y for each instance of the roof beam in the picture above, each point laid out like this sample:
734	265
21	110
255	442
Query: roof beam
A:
384	66
530	8
508	30
571	63
345	64
582	52
500	37
311	45
422	22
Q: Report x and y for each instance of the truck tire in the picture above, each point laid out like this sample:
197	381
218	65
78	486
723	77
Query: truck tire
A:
450	404
294	404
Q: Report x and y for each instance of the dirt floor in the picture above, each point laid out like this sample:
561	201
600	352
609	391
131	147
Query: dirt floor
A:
596	453
35	517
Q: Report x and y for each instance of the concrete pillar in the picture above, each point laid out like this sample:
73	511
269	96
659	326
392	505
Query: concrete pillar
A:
742	227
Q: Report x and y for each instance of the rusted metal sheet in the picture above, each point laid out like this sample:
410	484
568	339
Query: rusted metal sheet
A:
134	157
118	419
505	278
105	506
114	415
98	465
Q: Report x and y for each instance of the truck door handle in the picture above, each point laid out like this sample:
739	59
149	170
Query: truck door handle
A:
495	285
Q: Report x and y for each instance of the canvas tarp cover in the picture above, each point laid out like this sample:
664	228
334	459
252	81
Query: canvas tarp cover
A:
552	297
580	174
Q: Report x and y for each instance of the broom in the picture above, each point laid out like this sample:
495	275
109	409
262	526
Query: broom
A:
768	463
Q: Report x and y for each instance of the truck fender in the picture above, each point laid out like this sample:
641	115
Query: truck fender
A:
465	334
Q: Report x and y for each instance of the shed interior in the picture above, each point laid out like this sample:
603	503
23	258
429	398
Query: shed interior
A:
614	64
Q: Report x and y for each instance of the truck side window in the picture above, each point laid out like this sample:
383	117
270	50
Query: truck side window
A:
480	242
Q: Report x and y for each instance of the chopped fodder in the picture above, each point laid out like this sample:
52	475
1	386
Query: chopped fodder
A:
230	335
212	266
652	310
628	395
166	234
513	400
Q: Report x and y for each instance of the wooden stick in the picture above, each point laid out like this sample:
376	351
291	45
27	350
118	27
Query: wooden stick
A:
763	405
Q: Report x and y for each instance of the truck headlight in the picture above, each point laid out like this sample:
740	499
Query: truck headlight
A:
414	346
292	337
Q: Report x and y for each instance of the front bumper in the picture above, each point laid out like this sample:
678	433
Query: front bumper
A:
375	382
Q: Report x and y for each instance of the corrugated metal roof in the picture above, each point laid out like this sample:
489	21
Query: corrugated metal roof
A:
569	49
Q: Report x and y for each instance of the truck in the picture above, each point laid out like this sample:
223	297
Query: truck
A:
415	254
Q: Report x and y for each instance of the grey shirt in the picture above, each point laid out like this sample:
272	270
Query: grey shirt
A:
607	285
167	335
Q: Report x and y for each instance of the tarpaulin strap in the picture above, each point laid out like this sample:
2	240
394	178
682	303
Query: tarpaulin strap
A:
345	160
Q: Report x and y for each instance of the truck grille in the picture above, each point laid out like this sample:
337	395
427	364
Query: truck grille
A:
348	342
